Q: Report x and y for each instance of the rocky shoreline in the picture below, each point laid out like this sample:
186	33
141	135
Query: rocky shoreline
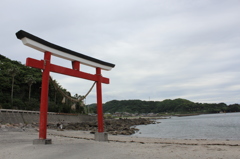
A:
112	126
17	127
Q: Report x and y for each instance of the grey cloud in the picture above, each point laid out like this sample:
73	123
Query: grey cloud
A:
162	49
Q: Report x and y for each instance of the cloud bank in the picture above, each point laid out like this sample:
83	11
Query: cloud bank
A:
162	49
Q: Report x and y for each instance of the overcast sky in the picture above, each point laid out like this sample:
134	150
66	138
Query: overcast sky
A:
162	49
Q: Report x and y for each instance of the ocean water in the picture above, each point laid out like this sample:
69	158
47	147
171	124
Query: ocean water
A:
225	126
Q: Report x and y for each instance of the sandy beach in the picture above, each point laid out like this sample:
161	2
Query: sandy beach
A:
80	144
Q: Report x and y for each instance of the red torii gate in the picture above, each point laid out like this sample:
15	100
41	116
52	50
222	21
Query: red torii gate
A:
50	49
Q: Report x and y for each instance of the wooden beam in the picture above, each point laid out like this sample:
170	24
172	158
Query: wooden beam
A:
40	64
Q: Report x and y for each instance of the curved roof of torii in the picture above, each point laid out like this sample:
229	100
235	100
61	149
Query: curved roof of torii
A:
43	46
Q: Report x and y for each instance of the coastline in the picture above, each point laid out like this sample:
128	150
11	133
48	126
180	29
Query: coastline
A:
143	140
80	144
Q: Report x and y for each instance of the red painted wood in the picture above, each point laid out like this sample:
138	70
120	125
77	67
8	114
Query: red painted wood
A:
99	101
44	97
76	65
47	68
34	63
66	71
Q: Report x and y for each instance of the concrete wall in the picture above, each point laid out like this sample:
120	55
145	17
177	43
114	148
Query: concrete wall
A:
18	116
6	117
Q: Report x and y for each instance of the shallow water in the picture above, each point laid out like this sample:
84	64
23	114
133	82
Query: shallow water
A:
211	126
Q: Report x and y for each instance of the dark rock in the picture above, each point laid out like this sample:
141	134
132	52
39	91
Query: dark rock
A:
112	126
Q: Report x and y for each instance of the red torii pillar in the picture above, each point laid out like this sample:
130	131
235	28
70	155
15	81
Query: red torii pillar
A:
44	96
47	67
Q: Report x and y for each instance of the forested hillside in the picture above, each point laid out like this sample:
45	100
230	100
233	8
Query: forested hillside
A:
167	106
20	88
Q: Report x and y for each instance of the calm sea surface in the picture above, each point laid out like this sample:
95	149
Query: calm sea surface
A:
210	126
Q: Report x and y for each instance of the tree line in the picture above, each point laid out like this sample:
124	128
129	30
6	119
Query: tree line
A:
20	88
167	106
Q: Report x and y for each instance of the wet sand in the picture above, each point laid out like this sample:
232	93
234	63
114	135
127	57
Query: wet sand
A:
80	144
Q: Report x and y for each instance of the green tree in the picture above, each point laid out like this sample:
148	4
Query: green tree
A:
13	71
29	79
234	108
